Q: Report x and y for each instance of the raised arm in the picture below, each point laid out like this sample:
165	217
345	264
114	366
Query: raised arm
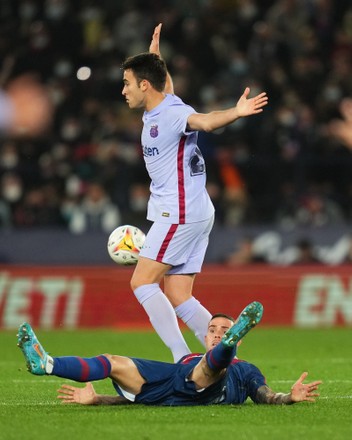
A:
245	107
87	396
300	392
155	48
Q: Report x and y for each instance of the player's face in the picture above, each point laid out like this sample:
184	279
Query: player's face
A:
216	329
132	91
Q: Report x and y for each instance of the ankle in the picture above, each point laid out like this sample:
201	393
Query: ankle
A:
49	365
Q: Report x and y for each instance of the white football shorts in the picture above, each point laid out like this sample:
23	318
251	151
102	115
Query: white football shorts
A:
181	246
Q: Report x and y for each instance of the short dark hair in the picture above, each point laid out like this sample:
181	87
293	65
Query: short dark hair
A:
223	315
148	66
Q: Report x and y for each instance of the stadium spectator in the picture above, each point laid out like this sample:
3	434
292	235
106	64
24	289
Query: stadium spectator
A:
245	253
214	378
179	205
40	208
227	188
313	208
94	212
318	209
11	190
305	253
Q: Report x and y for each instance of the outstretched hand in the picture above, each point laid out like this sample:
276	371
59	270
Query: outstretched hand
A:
154	44
301	392
251	106
71	394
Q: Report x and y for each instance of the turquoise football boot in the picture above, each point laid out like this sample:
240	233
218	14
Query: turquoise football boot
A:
35	355
248	318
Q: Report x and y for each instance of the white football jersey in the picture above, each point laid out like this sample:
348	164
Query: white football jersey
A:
175	165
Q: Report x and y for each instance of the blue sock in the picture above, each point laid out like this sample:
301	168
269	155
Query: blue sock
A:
220	356
81	369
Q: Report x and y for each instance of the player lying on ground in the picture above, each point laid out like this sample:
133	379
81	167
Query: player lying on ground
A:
214	378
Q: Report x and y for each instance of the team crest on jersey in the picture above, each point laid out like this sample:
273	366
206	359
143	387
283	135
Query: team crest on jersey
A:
154	131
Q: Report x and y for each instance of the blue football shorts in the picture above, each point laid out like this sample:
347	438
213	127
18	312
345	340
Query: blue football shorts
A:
168	384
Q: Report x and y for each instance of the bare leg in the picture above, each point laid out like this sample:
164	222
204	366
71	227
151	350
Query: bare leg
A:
178	288
203	376
125	373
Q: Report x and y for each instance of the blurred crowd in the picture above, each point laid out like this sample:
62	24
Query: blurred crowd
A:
268	248
282	167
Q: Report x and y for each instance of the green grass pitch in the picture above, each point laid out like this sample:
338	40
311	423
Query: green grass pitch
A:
29	408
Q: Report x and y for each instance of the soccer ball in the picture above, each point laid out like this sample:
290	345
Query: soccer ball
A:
125	243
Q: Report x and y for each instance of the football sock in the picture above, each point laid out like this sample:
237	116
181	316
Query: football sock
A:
81	369
220	356
195	316
163	318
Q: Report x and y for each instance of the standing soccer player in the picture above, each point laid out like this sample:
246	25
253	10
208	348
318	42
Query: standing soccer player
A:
179	205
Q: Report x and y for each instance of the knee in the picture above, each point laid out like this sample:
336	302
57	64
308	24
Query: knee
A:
108	356
114	362
139	280
119	364
178	298
135	283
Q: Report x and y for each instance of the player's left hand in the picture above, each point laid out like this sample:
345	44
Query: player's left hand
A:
154	44
301	392
71	394
250	106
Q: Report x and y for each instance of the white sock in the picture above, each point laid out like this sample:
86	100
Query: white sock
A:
163	318
195	316
49	365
